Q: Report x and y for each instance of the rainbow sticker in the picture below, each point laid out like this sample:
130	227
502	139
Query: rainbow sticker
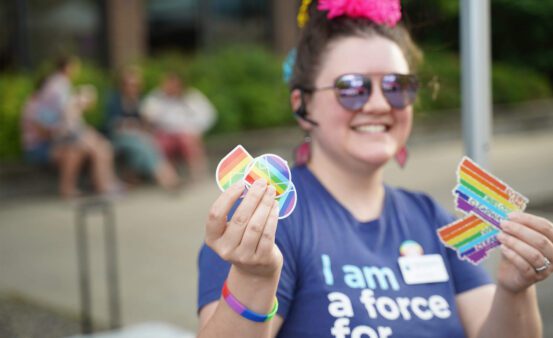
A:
486	196
287	202
273	169
486	201
471	237
410	248
232	168
240	166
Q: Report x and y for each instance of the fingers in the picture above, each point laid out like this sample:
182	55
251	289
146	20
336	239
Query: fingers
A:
217	218
267	240
256	225
237	224
247	240
539	224
526	270
525	257
537	245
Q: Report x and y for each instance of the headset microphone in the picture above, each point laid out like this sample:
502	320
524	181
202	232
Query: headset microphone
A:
302	113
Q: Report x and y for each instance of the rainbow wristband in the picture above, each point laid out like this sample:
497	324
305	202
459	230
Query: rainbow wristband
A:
243	311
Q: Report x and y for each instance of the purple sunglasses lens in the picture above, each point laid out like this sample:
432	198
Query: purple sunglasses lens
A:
400	90
353	91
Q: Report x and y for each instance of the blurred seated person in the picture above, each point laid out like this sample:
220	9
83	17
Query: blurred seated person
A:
130	134
180	115
55	132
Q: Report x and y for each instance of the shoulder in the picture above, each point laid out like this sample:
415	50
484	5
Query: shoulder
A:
153	97
193	92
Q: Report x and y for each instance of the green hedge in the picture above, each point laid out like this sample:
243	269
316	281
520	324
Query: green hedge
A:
510	84
14	88
245	84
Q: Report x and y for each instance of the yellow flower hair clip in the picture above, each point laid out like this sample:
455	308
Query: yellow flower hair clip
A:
303	16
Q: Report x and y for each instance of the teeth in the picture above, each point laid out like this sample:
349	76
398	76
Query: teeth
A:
371	128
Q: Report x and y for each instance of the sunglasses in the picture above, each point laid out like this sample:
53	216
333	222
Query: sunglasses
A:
353	91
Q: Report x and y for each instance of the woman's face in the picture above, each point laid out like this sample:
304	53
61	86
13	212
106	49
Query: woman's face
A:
372	135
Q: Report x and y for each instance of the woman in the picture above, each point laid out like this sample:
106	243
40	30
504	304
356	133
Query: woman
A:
333	264
54	131
130	134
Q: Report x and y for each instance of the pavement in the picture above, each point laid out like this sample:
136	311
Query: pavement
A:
159	234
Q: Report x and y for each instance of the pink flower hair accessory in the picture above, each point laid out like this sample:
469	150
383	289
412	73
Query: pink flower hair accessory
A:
382	12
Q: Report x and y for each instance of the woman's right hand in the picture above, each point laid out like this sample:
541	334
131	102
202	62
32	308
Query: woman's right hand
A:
247	240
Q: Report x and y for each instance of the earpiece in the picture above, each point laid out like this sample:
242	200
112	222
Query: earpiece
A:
301	113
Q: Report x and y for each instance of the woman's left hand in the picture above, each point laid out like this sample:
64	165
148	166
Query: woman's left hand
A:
527	251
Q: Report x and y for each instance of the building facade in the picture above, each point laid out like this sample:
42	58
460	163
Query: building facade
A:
115	32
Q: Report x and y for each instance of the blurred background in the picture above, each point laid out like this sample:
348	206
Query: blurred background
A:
231	51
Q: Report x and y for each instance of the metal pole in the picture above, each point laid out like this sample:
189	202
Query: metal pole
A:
84	277
475	79
111	265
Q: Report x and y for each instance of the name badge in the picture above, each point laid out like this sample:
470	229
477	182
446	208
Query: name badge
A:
423	269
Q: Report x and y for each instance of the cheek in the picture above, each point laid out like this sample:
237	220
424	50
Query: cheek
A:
404	120
326	108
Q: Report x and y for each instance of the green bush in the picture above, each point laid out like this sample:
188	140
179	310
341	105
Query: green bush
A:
515	84
243	82
510	84
14	88
444	69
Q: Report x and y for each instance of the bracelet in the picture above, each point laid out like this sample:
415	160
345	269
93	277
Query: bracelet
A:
243	311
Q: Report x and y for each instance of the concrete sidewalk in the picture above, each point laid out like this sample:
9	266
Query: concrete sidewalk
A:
159	234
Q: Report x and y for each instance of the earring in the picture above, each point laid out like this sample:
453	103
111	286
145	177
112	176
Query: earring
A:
302	153
401	157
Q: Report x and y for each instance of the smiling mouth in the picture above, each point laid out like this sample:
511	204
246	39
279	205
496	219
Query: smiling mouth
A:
371	128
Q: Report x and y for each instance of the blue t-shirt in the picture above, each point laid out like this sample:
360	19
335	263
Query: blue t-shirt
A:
341	277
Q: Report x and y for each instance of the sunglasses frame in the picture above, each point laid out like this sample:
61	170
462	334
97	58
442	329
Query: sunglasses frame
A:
370	78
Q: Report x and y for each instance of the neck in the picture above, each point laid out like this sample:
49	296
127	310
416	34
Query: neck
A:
360	190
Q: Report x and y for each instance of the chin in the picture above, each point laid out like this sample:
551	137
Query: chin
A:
375	159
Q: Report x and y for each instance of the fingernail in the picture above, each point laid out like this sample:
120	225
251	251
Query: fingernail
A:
501	237
271	190
260	182
513	214
238	185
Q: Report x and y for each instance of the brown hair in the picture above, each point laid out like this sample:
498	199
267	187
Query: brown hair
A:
320	32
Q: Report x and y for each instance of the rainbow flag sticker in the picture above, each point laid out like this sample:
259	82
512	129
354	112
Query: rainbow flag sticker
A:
485	200
273	169
485	195
287	202
240	166
471	237
232	168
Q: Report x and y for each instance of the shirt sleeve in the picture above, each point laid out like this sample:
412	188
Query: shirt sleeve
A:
201	110
150	108
466	276
213	271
